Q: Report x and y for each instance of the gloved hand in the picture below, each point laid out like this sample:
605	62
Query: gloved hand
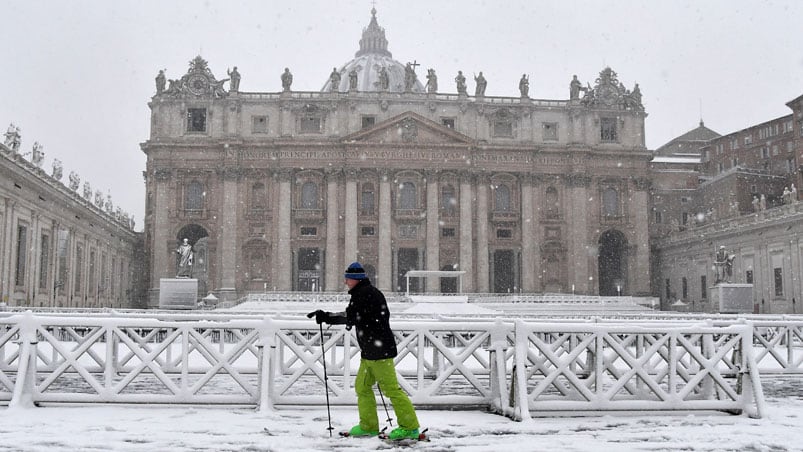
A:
320	316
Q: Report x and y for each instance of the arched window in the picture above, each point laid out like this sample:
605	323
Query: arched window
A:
367	199
309	195
407	196
194	196
502	198
610	202
552	210
257	260
259	198
448	200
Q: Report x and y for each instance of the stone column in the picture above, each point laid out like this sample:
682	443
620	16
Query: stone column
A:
228	234
483	273
350	226
283	268
5	250
333	271
466	237
384	272
640	277
577	207
433	229
538	231
528	243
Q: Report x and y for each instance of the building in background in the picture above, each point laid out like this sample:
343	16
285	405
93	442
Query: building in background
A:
281	190
61	246
746	199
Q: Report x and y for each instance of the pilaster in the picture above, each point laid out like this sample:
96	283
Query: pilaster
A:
483	275
466	227
433	229
333	270
283	270
385	252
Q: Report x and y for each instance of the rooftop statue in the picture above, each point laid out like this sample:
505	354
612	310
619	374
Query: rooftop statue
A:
384	79
99	199
287	79
57	169
574	88
460	80
481	84
432	81
87	191
334	80
75	180
160	82
234	76
37	155
353	79
409	77
13	138
524	85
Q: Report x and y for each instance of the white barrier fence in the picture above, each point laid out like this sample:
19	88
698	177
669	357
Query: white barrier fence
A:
516	368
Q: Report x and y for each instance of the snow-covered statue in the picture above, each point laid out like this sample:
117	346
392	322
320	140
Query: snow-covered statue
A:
99	199
75	180
57	169
13	138
723	264
132	222
37	154
87	191
109	206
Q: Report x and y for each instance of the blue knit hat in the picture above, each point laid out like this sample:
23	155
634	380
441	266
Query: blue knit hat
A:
355	271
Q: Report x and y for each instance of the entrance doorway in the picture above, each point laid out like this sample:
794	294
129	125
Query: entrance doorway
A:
612	263
309	270
406	260
504	271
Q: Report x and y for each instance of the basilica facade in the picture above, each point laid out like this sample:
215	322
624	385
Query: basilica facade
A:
282	190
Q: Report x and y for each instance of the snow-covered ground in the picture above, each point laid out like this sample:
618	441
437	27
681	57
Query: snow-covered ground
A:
152	428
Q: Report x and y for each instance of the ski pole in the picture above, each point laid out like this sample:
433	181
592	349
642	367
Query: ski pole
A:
326	382
387	413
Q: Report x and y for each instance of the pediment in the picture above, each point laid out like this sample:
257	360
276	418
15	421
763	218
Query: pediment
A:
408	128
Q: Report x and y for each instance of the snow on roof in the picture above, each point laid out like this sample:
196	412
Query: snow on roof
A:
670	159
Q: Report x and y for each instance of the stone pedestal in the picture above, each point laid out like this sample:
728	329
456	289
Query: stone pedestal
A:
728	298
178	293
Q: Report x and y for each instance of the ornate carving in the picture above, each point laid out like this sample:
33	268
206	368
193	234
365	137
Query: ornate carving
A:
409	130
198	81
162	174
642	183
577	180
608	92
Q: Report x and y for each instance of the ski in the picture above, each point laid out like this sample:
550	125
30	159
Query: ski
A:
422	437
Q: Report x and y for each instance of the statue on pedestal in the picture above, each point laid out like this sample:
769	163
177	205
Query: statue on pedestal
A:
409	77
185	258
353	80
37	155
432	81
334	80
723	264
384	79
75	180
57	169
234	80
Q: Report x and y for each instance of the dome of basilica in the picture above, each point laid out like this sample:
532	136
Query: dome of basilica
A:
368	63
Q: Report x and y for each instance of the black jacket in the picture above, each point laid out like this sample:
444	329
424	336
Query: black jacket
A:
368	313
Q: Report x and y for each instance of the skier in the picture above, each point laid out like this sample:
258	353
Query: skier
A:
368	312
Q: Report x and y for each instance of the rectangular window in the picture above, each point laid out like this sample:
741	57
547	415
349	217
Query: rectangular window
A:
550	131
748	276
447	232
504	233
607	129
367	231
790	165
309	231
720	167
64	262
104	273
368	121
196	120
310	124
748	140
667	289
79	268
448	122
92	285
684	284
658	217
778	279
684	218
22	254
44	261
259	124
503	129
703	287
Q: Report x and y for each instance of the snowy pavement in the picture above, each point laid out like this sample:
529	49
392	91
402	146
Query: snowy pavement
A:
152	428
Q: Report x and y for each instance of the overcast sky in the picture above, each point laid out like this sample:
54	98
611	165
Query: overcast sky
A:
77	75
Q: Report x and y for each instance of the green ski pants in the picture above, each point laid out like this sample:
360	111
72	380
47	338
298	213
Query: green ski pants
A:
382	371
